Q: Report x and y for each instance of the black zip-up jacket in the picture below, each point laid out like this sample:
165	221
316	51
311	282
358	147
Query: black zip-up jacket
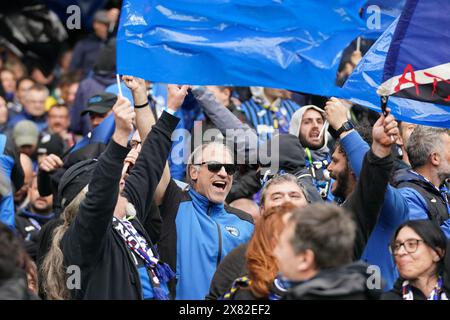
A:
368	197
107	268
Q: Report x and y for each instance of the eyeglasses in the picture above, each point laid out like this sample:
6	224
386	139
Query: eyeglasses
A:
410	246
215	167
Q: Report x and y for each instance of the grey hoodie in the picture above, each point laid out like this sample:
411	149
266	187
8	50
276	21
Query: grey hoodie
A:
295	125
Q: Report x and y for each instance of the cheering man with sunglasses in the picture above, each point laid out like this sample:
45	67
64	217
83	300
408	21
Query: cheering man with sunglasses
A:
198	230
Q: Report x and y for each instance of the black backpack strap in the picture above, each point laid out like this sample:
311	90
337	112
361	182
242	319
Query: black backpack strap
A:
437	208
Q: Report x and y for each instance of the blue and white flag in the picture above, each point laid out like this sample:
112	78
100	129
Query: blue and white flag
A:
410	63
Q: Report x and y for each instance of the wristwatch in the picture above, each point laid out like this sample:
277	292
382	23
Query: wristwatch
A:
347	126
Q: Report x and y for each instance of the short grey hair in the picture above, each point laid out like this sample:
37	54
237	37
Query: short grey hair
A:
325	229
197	156
423	142
278	179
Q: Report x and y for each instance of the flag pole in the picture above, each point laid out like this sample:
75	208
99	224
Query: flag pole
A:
118	85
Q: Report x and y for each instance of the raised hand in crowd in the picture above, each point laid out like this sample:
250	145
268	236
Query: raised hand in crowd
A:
50	163
384	133
176	95
336	113
124	117
138	89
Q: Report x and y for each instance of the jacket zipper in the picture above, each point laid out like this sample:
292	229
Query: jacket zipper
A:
219	255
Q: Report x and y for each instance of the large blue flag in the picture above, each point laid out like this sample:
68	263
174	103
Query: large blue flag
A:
410	63
283	44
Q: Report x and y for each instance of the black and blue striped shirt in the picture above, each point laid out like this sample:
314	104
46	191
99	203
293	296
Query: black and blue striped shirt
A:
265	120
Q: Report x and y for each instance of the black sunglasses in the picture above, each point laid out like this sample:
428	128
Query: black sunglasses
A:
215	167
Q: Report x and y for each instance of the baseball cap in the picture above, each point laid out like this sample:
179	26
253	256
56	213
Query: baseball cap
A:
51	144
100	103
25	132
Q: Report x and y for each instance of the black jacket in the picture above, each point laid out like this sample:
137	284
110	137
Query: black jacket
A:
436	201
345	283
368	197
28	226
107	268
291	160
233	266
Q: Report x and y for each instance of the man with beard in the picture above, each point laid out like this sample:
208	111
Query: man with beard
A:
345	168
30	220
309	125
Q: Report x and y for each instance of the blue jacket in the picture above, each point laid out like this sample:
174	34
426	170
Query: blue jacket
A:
41	122
85	54
88	87
393	213
196	235
418	206
6	201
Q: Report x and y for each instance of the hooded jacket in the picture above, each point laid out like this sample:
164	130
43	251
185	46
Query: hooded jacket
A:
320	157
345	283
295	126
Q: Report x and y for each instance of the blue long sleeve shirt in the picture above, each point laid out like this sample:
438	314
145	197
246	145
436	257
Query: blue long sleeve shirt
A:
393	213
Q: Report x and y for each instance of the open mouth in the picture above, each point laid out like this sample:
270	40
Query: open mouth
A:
314	135
221	185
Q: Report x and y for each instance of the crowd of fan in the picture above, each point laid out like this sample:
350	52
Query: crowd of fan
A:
351	190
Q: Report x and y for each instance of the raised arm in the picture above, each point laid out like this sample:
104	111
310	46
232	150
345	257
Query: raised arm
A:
96	211
244	137
367	199
145	121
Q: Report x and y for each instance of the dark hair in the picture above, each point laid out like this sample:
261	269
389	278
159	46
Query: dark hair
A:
69	79
327	230
10	248
431	235
39	87
365	131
